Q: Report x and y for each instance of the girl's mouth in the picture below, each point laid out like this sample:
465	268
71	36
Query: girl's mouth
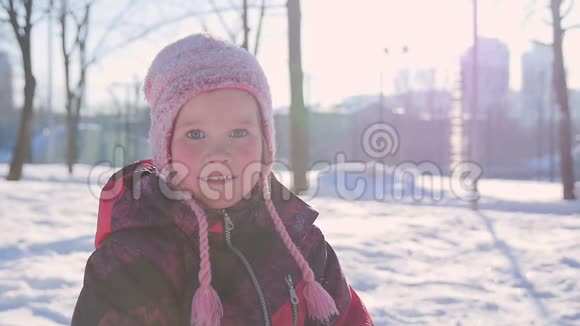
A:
217	179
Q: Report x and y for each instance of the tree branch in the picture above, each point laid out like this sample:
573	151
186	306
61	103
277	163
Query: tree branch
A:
45	12
62	18
66	54
37	20
568	10
98	53
571	27
114	22
547	22
259	31
222	21
233	5
203	24
529	14
80	25
13	17
28	16
7	10
5	7
543	43
567	29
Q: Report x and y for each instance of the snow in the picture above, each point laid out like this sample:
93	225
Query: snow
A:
429	261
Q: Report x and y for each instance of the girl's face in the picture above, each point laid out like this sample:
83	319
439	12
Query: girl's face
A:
218	134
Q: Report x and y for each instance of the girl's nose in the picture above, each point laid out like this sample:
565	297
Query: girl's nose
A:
220	152
219	159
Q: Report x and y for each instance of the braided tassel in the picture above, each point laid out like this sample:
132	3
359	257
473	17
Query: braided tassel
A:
320	305
206	307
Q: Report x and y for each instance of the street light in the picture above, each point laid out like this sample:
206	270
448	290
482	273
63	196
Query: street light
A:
474	106
403	50
397	111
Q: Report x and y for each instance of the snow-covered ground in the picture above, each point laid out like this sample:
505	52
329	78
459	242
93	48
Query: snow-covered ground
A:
430	261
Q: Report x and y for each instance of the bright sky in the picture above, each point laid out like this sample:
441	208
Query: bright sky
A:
343	45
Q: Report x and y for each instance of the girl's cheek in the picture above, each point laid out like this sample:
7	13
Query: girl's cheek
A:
178	150
250	151
185	154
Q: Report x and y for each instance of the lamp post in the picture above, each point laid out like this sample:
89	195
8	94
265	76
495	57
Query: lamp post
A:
381	99
395	114
474	106
403	50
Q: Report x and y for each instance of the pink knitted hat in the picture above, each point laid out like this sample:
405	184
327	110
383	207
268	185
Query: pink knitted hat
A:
191	66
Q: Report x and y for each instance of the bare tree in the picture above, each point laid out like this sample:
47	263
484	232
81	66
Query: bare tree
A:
245	27
19	14
260	23
77	60
74	94
561	91
558	11
244	11
298	113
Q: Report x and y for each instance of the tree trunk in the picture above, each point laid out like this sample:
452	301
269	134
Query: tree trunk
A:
73	120
566	158
245	26
298	113
70	140
74	96
259	29
20	152
561	90
475	141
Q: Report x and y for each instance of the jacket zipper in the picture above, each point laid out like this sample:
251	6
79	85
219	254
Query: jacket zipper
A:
293	299
229	227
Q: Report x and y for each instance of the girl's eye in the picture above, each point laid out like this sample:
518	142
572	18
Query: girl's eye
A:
195	134
239	133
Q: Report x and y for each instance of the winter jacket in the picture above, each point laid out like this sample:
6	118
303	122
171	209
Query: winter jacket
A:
145	266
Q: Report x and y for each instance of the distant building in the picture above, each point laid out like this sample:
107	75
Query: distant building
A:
421	119
493	79
538	112
330	133
493	130
537	90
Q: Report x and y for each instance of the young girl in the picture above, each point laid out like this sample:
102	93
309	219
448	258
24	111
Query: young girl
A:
203	234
